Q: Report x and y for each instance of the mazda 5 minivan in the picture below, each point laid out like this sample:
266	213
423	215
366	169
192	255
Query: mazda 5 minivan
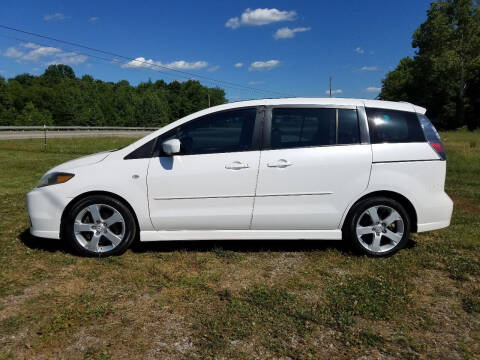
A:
366	171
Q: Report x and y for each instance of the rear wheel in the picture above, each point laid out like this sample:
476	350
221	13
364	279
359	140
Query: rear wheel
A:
99	226
378	226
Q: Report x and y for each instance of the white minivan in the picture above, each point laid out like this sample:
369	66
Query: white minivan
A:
366	171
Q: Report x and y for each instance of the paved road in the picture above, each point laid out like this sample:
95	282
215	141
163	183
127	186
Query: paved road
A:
10	135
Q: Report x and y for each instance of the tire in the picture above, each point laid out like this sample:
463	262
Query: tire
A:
99	226
378	236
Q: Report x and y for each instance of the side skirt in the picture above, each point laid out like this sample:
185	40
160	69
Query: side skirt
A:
174	235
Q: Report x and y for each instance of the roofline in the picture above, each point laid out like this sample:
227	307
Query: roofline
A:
394	105
402	106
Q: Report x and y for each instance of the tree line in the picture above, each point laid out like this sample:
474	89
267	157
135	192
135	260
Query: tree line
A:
444	74
58	97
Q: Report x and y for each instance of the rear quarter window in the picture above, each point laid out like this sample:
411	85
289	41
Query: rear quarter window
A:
393	126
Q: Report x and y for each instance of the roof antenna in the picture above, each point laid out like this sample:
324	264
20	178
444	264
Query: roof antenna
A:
330	86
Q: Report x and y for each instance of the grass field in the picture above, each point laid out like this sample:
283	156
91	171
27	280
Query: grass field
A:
242	300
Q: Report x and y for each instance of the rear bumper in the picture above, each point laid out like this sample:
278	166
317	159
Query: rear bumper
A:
432	226
436	214
45	208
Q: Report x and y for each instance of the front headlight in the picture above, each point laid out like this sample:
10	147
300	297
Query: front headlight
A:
55	178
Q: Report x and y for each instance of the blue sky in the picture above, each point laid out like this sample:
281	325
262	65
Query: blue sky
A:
283	46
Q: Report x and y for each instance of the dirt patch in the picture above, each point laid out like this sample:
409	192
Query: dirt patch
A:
466	205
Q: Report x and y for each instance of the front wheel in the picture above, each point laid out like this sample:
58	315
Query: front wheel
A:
378	226
99	226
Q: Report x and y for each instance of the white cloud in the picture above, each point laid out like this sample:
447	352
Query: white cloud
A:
263	65
141	62
233	23
55	17
13	53
30	45
369	68
373	89
185	65
238	65
33	52
334	92
256	82
41	52
69	58
287	33
259	17
94	19
213	68
359	50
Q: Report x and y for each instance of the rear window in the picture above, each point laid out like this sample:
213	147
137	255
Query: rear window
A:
393	126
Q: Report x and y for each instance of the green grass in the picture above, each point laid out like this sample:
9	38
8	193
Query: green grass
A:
242	300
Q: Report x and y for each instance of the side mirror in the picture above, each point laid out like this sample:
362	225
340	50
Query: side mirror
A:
171	147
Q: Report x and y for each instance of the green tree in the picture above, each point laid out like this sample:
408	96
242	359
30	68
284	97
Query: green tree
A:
59	71
58	97
31	116
445	66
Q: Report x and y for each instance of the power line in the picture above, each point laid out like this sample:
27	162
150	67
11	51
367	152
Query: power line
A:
225	83
109	60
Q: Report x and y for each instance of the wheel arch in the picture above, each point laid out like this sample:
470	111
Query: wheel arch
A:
92	193
404	201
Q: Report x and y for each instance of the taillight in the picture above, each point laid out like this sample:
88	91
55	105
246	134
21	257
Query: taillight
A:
438	147
432	136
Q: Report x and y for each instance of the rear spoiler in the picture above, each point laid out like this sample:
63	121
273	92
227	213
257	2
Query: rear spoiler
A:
419	109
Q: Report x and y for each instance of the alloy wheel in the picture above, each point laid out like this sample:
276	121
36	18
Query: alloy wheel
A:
99	228
380	228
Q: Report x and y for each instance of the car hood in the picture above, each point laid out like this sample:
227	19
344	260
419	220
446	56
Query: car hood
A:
83	161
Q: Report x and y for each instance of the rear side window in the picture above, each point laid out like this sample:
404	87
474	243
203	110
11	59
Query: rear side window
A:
299	127
393	126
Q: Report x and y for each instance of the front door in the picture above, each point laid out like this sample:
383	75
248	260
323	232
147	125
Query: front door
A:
210	185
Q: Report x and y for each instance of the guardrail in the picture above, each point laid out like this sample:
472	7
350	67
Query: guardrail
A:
41	132
47	128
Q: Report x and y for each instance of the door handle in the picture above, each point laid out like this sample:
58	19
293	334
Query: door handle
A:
282	163
236	165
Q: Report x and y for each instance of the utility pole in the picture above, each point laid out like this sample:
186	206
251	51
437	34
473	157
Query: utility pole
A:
330	86
208	93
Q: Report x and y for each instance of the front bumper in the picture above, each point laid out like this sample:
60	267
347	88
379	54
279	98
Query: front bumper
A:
45	207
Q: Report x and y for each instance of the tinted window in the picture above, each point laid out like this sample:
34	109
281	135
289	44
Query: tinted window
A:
228	131
392	126
348	129
302	127
143	152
